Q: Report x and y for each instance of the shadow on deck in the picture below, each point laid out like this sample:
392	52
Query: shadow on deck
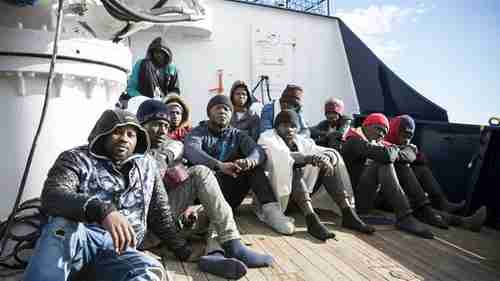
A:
389	254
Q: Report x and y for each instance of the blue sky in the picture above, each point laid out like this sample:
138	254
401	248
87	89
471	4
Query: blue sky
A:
448	50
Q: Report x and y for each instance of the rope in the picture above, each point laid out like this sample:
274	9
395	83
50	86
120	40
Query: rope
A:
20	192
28	214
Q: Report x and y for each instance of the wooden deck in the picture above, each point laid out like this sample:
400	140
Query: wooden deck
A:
387	255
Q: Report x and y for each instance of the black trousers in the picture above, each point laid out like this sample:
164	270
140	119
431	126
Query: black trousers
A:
411	186
235	189
429	184
380	180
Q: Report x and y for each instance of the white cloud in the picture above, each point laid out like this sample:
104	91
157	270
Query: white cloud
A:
375	24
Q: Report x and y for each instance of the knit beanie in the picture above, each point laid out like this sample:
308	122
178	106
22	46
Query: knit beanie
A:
397	124
376	118
287	115
219	99
152	110
334	105
293	93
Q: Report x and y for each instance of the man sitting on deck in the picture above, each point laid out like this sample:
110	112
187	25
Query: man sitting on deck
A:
330	132
288	153
244	117
101	198
371	166
417	177
180	117
184	186
291	98
237	161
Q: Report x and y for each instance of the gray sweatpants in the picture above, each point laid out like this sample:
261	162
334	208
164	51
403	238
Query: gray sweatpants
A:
203	185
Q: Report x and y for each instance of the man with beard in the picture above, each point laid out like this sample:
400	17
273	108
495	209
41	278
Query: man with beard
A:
155	75
101	198
370	162
184	186
237	161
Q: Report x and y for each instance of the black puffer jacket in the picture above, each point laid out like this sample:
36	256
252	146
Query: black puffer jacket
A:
85	185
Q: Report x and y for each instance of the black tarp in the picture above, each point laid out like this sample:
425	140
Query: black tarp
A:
378	89
485	188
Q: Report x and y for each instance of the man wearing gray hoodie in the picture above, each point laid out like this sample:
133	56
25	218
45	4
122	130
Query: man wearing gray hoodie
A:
101	198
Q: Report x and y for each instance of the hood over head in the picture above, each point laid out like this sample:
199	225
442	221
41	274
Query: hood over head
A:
398	123
109	121
158	44
238	84
186	112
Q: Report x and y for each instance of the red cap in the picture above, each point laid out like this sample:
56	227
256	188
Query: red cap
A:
376	118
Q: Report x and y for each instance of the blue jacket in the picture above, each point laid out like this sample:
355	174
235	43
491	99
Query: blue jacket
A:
268	115
203	146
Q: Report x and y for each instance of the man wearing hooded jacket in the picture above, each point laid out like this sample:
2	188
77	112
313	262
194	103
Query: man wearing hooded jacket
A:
101	198
155	75
244	117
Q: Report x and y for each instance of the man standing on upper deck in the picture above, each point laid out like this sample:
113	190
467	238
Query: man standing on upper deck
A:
155	75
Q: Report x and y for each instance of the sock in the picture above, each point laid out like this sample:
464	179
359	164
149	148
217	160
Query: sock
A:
235	249
317	229
216	264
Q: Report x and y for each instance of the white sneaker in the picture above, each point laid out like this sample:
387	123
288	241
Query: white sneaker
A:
272	215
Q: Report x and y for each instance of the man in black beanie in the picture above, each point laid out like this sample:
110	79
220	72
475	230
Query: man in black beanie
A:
184	187
237	161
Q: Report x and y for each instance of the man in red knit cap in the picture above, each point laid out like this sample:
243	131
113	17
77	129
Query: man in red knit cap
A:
370	162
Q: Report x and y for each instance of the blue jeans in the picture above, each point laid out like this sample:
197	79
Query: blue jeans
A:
66	246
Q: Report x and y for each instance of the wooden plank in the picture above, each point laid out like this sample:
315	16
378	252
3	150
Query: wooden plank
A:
193	272
484	244
256	241
340	255
175	269
386	254
307	270
283	261
429	252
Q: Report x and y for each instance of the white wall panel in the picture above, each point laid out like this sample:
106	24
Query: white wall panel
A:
320	64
